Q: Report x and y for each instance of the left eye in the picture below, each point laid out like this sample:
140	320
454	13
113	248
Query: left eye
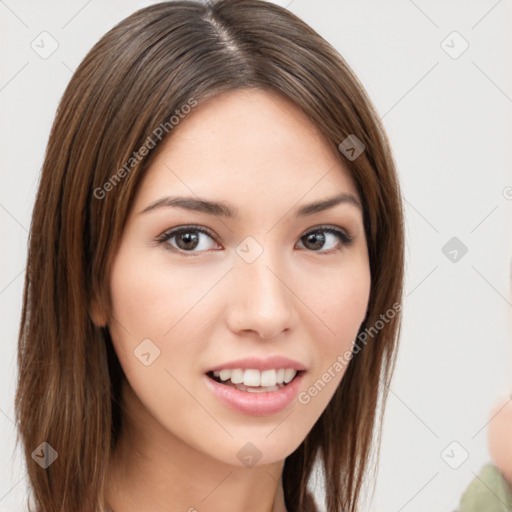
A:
318	238
189	238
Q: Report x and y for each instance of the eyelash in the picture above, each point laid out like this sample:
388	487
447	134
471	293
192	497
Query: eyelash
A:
342	236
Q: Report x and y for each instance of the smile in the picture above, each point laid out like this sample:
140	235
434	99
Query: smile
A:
255	400
253	380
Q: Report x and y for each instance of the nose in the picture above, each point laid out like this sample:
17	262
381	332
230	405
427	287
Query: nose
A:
262	300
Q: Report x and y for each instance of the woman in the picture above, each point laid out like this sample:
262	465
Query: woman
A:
130	348
214	280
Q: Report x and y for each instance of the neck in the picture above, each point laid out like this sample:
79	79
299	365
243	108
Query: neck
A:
155	471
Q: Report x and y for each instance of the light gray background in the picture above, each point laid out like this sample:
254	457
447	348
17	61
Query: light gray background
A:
449	122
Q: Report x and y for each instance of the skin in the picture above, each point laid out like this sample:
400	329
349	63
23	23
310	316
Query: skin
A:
499	436
178	448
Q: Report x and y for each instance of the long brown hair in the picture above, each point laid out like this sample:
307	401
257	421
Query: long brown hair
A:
130	84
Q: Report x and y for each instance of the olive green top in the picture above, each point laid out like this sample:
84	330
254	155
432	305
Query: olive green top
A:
487	492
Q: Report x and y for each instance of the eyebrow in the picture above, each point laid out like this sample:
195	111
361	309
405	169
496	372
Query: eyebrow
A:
225	210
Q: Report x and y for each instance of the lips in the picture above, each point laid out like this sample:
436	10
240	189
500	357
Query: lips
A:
261	364
256	401
256	374
256	386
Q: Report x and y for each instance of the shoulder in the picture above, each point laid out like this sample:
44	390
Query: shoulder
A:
488	491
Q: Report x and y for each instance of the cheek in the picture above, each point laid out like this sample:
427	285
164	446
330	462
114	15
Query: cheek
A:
136	298
148	298
153	300
342	307
342	303
143	307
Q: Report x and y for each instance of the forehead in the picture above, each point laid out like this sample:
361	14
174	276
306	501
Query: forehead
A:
246	146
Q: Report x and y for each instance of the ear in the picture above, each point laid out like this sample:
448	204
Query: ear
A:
97	314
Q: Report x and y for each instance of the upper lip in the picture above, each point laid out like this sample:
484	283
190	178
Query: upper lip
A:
261	364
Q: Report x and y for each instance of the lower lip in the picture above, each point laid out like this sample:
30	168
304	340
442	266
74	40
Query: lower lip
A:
256	404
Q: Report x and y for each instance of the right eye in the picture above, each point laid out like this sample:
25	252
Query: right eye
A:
186	239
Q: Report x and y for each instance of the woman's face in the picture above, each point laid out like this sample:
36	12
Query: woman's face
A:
264	294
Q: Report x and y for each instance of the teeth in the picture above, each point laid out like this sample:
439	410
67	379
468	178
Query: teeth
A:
237	376
255	378
259	389
224	374
268	378
288	375
251	378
